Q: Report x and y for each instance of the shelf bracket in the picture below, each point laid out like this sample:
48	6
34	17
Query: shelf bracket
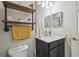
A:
32	15
6	28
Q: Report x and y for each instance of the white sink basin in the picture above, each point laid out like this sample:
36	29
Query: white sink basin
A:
52	38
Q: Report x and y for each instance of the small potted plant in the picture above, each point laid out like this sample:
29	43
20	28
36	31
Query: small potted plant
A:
28	19
19	19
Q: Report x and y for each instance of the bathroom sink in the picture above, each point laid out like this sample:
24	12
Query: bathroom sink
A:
51	38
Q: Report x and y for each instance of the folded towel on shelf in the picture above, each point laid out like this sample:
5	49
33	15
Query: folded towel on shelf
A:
21	32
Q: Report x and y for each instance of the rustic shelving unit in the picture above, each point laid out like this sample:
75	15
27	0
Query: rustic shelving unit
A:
14	6
16	22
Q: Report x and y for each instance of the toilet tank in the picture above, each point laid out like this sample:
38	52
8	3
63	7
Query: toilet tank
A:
19	51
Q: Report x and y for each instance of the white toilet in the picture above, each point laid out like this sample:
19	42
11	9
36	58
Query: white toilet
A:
19	51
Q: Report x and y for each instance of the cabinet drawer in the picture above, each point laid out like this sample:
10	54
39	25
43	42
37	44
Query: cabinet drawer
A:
56	43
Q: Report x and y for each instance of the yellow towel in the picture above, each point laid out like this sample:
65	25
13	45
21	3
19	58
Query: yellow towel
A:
21	32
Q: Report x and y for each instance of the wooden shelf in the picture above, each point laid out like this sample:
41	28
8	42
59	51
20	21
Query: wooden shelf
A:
14	6
17	22
17	7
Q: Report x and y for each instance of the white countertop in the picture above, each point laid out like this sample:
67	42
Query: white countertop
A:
51	38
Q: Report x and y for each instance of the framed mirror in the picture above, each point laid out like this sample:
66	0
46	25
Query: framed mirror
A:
57	20
47	22
54	20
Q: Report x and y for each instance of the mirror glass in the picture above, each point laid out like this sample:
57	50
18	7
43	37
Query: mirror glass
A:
54	20
47	22
57	20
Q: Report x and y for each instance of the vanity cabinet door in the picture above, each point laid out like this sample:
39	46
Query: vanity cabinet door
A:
60	51
53	52
56	43
57	51
57	48
41	48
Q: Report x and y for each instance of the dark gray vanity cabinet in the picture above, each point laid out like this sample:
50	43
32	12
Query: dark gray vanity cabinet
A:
52	49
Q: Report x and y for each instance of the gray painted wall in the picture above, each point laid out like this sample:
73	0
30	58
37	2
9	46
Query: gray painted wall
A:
6	37
69	20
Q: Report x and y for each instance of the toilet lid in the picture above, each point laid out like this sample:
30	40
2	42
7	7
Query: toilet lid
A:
14	50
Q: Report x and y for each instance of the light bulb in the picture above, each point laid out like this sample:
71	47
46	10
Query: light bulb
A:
50	4
43	5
